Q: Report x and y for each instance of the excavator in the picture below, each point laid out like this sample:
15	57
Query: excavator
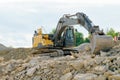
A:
63	40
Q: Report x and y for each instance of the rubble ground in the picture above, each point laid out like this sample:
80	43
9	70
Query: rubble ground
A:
19	64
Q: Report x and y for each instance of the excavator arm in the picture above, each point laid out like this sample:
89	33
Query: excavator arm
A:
77	19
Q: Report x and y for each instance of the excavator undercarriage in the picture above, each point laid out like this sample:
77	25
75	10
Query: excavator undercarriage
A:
52	52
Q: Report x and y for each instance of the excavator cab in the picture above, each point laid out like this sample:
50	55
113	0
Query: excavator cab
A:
66	39
69	40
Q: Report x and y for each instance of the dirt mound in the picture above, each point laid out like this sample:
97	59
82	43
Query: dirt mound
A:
18	53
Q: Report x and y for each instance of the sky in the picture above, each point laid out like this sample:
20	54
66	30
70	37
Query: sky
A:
19	18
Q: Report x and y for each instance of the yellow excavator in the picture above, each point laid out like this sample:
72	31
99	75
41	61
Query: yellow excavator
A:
63	40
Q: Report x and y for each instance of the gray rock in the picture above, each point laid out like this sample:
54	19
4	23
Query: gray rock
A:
118	61
77	65
87	76
67	76
1	59
89	62
103	54
31	71
99	60
34	61
11	66
37	78
20	75
114	77
101	68
100	78
83	47
46	71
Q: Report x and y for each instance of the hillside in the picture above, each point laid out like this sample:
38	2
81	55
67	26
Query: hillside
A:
2	47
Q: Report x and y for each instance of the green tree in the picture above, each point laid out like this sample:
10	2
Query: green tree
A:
112	32
86	40
79	38
53	31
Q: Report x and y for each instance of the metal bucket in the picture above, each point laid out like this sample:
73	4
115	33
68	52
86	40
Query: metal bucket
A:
101	42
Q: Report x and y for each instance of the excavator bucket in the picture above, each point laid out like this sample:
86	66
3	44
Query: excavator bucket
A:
101	42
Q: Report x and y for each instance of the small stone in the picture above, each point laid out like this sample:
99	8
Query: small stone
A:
118	61
99	60
1	59
34	61
103	53
101	68
37	78
67	76
46	71
114	77
109	73
83	47
31	71
87	76
25	65
20	68
88	63
100	78
20	75
10	67
67	70
77	65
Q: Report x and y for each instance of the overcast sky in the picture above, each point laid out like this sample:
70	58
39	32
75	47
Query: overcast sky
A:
19	18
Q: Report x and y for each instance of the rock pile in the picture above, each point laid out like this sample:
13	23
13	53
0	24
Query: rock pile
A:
85	66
